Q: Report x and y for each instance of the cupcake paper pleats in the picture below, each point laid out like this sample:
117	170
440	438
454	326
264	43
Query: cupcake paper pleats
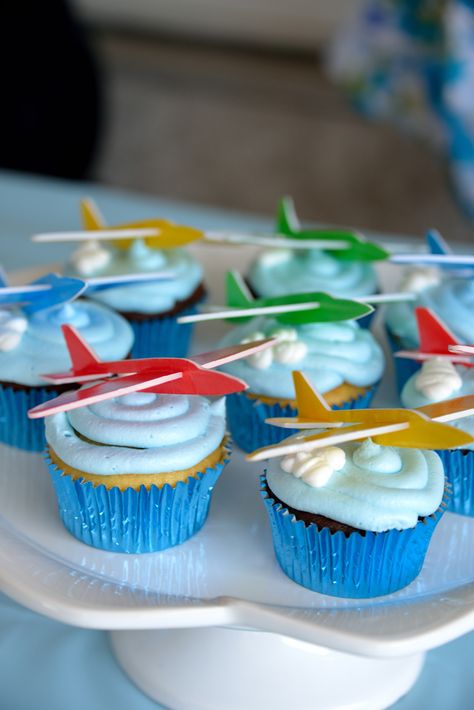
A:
147	520
360	566
161	336
15	427
459	469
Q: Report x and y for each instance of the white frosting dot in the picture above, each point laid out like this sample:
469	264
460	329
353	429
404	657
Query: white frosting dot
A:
315	468
438	379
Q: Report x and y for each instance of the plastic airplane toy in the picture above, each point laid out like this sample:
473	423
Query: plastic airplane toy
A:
439	254
294	309
163	234
436	340
407	428
158	375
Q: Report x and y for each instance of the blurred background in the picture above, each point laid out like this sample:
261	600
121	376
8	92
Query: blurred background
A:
215	102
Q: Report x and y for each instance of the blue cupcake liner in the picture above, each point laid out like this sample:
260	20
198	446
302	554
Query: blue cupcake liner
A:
366	321
404	367
459	470
246	418
358	566
162	336
148	520
15	427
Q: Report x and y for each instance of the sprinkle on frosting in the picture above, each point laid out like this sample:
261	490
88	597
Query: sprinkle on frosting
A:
12	327
437	379
315	468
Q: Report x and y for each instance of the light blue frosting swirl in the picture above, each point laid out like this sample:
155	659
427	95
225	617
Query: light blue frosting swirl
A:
337	353
145	433
153	296
367	493
42	348
412	398
452	300
283	271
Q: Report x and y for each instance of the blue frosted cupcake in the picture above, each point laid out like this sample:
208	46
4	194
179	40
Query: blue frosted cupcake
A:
452	300
354	520
33	345
150	307
438	380
279	272
136	473
342	360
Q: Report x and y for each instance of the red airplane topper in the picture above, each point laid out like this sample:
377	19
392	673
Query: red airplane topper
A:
436	340
158	374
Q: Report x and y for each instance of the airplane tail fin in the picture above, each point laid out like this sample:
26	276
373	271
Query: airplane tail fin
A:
3	277
83	358
310	404
90	215
436	244
435	336
287	220
237	293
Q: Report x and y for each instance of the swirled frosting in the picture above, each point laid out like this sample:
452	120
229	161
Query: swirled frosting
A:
335	353
413	397
281	271
149	297
377	489
42	348
452	300
142	433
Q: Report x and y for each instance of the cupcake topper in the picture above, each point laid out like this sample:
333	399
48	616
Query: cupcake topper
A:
54	290
158	375
462	349
292	309
439	254
357	247
162	234
406	428
436	340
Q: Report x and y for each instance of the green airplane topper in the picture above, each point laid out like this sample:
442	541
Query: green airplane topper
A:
358	248
316	307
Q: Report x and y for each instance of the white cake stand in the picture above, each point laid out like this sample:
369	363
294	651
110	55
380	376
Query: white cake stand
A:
214	623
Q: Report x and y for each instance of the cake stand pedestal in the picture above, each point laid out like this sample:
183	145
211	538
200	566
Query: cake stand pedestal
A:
215	668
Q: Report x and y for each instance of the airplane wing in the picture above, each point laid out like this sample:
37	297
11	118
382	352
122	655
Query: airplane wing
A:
450	409
216	358
300	423
308	442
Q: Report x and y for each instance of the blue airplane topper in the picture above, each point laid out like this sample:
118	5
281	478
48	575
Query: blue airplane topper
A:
439	254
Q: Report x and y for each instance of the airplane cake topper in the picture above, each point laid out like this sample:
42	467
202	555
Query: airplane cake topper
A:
436	341
439	254
55	290
291	309
423	428
157	375
163	234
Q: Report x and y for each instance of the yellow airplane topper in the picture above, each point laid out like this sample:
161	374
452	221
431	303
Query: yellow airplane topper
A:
162	234
422	428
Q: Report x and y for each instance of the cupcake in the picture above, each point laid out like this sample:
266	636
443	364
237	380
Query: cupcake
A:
136	473
32	344
282	271
354	520
150	307
438	380
341	359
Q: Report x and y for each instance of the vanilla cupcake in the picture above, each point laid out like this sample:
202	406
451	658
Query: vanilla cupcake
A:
136	473
343	361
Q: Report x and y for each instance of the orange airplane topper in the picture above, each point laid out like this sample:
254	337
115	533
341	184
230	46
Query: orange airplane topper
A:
156	374
422	428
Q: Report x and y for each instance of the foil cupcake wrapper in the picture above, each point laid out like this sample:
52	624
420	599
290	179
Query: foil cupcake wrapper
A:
15	427
246	418
366	321
459	469
162	336
403	367
148	520
358	566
